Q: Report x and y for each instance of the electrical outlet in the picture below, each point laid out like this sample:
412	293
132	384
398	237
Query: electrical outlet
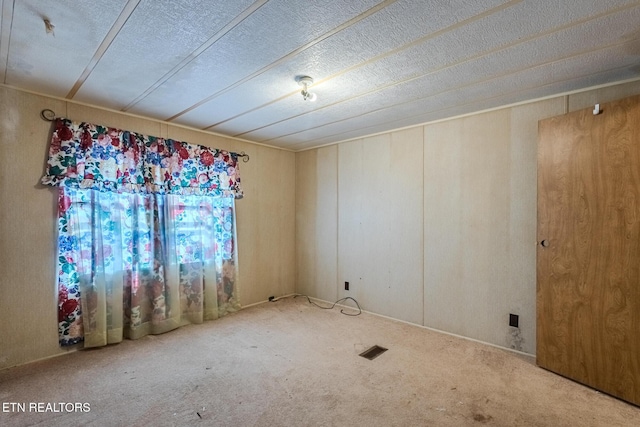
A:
346	286
513	320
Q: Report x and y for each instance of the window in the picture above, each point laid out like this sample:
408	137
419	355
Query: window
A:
146	238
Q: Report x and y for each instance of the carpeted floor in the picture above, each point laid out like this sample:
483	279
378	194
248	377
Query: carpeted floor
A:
288	363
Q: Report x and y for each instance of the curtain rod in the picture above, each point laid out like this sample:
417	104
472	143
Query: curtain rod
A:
50	116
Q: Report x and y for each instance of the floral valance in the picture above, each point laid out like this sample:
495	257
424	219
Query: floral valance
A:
84	155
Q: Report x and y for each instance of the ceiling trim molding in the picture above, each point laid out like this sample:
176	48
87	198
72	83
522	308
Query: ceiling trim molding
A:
284	59
460	116
455	64
193	55
473	83
106	42
399	49
137	116
6	6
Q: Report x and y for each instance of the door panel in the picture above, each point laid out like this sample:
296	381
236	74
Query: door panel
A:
588	272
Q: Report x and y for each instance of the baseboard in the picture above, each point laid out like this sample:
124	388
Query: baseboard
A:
519	353
274	300
53	356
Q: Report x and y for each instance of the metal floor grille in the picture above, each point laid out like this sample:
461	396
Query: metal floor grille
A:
373	352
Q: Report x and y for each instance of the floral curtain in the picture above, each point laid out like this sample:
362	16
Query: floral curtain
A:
83	155
146	233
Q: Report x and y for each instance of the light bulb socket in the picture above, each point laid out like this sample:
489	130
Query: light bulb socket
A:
308	96
306	82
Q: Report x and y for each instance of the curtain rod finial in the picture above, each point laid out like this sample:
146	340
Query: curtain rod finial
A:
48	115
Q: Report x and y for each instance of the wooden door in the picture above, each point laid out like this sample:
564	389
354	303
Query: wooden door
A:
588	258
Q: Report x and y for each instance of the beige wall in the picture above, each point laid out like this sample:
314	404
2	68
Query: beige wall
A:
316	220
380	223
28	330
434	225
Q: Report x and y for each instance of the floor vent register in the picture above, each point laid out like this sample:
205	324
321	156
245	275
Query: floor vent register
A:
373	352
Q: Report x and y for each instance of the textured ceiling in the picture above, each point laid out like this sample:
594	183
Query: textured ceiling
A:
230	66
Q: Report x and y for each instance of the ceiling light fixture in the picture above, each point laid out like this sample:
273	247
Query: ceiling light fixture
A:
306	82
